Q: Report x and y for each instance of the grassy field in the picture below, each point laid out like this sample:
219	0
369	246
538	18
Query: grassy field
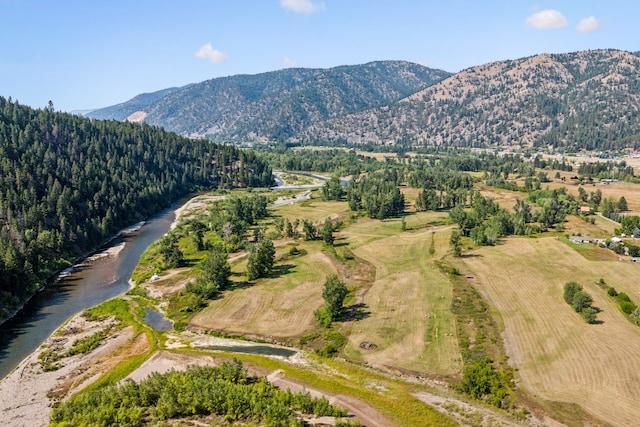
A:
405	303
558	355
281	306
410	320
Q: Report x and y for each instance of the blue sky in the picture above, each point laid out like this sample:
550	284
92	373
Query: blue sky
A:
95	53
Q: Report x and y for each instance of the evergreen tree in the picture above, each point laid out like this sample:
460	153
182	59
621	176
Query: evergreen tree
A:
261	260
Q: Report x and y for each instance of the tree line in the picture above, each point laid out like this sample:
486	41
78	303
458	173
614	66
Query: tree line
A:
225	391
68	183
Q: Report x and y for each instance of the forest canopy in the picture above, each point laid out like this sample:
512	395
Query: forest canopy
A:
67	183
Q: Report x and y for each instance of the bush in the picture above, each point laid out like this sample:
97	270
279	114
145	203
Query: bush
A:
589	315
622	297
323	316
612	292
627	307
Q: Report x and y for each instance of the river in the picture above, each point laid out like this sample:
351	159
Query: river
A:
85	287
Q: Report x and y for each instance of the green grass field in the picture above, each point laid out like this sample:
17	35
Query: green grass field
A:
410	320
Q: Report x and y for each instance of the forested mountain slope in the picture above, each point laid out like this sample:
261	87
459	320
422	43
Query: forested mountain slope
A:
586	99
123	110
278	104
68	183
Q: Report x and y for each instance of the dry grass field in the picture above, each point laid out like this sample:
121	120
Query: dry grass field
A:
559	356
281	306
410	321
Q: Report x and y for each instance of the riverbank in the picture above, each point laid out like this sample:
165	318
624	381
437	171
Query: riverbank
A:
29	392
106	249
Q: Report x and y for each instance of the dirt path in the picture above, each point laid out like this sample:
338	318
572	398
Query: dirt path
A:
471	416
164	361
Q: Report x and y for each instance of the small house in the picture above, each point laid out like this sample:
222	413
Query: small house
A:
578	240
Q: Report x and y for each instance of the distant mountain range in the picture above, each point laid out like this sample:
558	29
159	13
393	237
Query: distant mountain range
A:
588	99
274	105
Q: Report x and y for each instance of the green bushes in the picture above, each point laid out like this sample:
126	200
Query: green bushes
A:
576	297
626	306
224	391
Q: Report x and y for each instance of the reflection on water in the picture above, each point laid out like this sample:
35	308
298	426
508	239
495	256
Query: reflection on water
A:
263	350
157	321
85	287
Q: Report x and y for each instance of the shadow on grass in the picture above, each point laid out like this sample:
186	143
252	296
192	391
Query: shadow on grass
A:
281	270
471	256
357	312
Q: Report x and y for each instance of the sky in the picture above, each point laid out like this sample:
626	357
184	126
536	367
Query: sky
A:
95	53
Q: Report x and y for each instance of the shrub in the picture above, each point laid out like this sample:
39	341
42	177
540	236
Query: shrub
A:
570	289
589	315
622	297
627	307
612	292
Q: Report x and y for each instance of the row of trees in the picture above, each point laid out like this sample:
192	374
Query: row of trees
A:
68	183
581	301
225	391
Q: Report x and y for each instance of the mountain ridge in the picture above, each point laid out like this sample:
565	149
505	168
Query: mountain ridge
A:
587	99
579	100
278	104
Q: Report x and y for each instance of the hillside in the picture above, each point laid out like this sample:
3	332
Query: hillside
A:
123	110
578	100
278	104
68	183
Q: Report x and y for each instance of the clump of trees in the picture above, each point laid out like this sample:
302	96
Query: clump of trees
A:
225	391
214	275
261	259
486	222
482	381
377	194
333	189
626	306
334	293
581	301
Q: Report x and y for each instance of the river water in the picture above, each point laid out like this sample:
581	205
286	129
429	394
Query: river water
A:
87	286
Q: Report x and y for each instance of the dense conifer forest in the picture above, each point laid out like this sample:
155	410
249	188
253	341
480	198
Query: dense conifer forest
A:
68	183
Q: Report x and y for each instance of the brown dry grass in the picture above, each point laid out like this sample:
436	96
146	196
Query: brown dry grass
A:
558	355
281	307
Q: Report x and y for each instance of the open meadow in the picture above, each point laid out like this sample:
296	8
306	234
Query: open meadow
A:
281	307
410	320
558	355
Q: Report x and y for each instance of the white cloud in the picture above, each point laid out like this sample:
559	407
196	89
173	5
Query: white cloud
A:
588	25
305	7
548	19
208	52
289	62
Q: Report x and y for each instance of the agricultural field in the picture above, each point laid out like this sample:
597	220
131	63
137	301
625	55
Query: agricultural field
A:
410	321
281	307
399	312
559	356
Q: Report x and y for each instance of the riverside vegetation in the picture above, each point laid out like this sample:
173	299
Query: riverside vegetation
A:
67	184
330	243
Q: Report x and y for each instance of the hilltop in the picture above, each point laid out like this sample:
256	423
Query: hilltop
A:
581	100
